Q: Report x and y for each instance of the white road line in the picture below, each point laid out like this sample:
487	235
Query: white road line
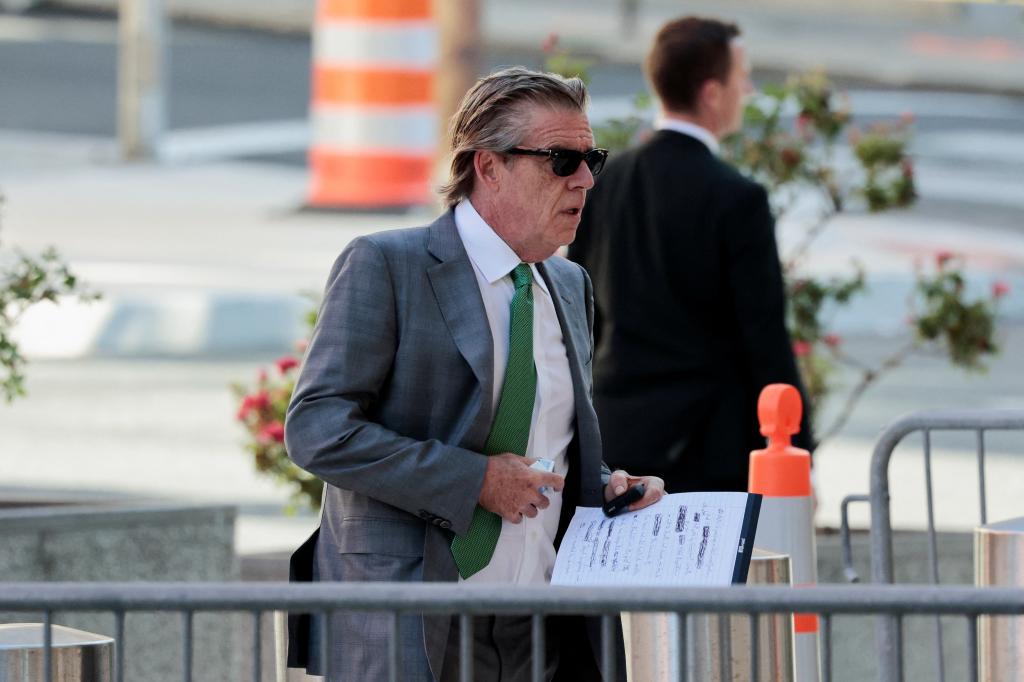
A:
940	181
929	104
194	145
15	29
974	145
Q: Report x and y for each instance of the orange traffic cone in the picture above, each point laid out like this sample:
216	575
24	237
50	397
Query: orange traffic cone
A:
373	111
782	474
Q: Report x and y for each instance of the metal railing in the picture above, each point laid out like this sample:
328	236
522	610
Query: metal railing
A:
888	633
467	601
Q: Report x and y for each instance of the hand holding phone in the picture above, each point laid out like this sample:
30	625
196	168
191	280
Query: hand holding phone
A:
618	504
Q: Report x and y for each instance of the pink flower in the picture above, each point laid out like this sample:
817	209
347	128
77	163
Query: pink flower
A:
261	378
907	118
301	345
1000	289
943	257
832	340
253	402
550	43
803	124
286	363
274	431
801	348
907	166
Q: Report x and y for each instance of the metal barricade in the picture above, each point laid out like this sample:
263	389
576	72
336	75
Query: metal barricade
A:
469	600
888	634
720	647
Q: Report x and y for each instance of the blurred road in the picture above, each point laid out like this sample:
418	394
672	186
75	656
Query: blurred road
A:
202	262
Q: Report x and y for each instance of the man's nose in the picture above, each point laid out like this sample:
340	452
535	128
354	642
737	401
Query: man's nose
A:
582	178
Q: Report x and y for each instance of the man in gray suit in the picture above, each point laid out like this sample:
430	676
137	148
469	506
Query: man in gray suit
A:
445	361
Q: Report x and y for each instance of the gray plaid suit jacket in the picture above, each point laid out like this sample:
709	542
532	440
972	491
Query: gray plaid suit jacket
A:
391	409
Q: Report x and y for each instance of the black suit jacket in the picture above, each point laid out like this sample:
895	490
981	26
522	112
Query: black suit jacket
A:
690	321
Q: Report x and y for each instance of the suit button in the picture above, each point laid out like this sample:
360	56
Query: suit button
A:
424	514
447	525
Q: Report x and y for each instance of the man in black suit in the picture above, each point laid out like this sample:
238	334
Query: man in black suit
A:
687	281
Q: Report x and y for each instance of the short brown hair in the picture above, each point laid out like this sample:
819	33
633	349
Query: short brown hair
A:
490	118
687	53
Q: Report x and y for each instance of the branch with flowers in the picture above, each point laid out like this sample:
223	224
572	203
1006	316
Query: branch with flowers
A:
25	281
791	144
261	411
803	160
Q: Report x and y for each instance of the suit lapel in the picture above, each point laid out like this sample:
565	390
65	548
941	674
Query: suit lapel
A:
570	307
572	320
458	297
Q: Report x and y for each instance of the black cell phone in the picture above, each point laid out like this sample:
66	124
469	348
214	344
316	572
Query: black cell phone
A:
617	504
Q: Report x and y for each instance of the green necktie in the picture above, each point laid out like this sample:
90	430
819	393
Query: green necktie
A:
510	431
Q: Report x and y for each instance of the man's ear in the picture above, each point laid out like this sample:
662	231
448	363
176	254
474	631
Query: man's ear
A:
710	95
487	167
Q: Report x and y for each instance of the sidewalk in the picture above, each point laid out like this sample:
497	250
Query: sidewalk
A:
907	44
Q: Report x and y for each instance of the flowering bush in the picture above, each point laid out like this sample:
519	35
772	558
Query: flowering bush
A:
25	281
802	160
261	410
942	319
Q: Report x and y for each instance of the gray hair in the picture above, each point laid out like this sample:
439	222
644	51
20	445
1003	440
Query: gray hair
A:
490	118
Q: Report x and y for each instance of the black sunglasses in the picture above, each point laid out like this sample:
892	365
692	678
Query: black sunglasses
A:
564	162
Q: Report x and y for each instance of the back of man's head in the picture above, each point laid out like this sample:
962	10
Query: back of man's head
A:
490	117
686	54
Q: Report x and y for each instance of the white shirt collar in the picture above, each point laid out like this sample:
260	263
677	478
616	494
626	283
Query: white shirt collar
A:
687	128
489	252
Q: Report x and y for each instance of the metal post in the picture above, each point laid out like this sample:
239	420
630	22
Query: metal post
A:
608	647
538	648
682	644
48	646
981	477
465	647
141	68
394	666
186	658
888	635
257	652
119	645
628	10
460	56
933	550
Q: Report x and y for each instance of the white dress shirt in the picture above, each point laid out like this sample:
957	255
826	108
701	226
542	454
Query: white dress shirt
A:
525	552
687	128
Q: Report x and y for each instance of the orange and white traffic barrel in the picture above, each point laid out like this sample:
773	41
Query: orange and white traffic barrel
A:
374	119
781	473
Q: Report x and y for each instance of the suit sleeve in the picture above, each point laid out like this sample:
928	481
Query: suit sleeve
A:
588	296
755	278
330	431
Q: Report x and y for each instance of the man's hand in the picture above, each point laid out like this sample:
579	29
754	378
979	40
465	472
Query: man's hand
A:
510	487
620	482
